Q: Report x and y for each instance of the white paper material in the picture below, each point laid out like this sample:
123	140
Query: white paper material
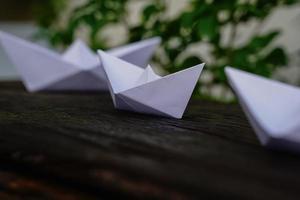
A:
141	90
272	107
78	68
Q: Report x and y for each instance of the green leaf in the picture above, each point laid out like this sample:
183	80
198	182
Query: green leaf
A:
191	61
262	41
208	27
187	19
149	11
276	57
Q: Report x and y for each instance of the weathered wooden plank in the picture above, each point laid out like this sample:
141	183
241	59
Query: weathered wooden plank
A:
16	185
81	139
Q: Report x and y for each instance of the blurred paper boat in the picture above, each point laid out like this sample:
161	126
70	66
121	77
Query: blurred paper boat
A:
77	69
141	90
272	107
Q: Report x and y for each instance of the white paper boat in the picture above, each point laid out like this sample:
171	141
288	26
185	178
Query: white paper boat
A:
141	90
272	107
76	69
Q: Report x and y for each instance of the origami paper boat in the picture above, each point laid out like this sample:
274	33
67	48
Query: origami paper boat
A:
76	69
273	108
141	90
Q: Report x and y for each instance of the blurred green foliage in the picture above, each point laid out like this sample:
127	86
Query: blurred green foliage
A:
47	12
200	22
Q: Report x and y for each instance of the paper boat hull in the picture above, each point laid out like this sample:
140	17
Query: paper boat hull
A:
82	81
44	70
266	113
143	91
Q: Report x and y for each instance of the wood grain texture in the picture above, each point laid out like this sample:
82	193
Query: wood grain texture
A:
77	146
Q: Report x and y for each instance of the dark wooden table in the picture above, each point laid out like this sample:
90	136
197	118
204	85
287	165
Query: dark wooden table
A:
77	146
